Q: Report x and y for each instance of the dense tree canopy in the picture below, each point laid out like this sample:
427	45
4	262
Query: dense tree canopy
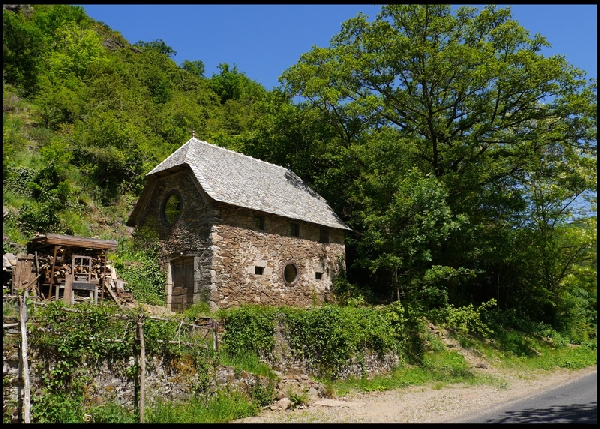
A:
507	134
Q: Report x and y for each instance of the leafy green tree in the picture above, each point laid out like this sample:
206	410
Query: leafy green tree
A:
453	83
75	51
49	18
233	84
23	47
241	105
195	67
108	150
466	89
402	213
158	45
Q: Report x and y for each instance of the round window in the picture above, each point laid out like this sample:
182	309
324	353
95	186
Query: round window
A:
171	207
290	273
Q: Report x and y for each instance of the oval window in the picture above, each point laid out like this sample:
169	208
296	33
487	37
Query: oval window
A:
290	273
172	208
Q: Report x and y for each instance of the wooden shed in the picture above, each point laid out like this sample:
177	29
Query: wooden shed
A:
63	266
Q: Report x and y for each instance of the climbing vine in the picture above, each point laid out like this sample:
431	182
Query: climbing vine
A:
74	342
326	337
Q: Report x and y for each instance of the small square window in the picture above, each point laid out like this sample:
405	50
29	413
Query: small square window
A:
259	222
295	230
259	270
324	235
318	276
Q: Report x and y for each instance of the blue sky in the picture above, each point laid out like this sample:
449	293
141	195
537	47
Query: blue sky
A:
264	40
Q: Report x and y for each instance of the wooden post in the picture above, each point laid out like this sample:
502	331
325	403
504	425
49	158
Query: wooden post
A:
69	295
24	365
216	342
142	368
37	273
20	380
102	275
52	275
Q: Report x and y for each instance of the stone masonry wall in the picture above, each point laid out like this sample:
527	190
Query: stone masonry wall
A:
190	233
283	361
168	380
177	379
227	248
239	248
187	237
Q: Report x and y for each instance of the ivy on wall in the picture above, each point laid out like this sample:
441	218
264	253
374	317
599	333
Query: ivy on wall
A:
74	342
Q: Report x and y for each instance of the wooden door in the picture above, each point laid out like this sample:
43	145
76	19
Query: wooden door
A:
182	296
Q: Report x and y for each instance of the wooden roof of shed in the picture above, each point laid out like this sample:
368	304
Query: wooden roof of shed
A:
73	241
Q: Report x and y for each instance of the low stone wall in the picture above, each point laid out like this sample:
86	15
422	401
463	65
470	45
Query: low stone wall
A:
283	361
172	380
177	379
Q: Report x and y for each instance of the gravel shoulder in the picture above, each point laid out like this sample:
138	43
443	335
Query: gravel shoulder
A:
424	404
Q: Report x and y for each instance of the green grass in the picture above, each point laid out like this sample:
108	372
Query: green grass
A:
549	357
524	352
248	362
200	309
441	366
445	368
112	413
222	408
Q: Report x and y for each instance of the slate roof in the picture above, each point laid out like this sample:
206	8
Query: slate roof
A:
243	181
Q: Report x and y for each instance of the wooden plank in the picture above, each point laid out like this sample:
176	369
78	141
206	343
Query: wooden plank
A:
23	273
52	274
74	241
84	286
16	280
110	291
37	273
68	294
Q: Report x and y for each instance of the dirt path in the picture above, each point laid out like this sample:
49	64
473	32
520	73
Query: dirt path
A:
422	404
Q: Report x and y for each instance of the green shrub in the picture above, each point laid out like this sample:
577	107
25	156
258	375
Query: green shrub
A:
53	407
466	320
111	413
248	329
137	262
221	408
327	337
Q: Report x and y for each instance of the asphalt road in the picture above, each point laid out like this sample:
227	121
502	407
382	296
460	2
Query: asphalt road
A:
573	402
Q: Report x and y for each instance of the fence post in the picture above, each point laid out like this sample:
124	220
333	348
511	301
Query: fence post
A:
20	381
23	358
216	342
142	367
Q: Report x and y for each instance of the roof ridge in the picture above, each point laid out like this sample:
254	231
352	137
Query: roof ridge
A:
239	153
288	170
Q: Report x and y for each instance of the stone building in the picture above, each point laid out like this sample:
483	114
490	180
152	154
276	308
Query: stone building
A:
234	229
